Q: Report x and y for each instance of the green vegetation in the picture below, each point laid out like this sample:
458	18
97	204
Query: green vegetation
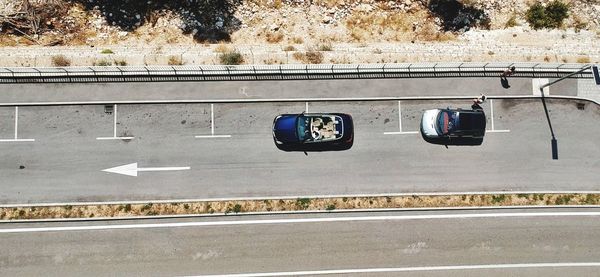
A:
103	63
237	208
330	207
498	198
303	203
231	58
106	51
551	16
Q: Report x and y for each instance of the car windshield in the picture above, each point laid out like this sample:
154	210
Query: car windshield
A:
447	122
303	127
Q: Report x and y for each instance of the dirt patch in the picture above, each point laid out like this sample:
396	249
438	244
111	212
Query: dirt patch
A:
300	204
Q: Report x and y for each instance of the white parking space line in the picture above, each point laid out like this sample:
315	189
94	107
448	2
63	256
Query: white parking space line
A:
298	221
214	136
16	139
492	116
212	126
400	132
114	128
306	108
408	269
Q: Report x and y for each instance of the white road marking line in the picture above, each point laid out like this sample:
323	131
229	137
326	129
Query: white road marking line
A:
16	139
212	126
295	221
214	136
492	112
497	131
306	108
212	119
400	133
108	138
399	117
16	121
132	169
114	137
408	269
115	121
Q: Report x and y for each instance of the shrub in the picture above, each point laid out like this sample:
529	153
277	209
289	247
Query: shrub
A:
60	60
512	22
551	16
303	202
102	63
175	60
120	62
231	58
289	48
274	37
314	57
325	47
330	207
583	59
106	51
298	40
237	208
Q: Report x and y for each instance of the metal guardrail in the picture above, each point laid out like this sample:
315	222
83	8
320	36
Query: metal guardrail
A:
281	72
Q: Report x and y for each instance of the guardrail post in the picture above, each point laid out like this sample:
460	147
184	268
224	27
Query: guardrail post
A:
176	74
460	70
434	71
228	72
332	73
67	72
94	72
148	73
306	70
383	70
202	72
409	73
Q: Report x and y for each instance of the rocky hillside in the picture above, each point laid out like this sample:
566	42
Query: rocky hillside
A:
290	31
101	22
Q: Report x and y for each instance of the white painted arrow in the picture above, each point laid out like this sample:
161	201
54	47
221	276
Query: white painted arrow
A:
133	169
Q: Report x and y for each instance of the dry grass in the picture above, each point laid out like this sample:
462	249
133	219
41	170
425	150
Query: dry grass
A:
310	57
297	40
175	60
268	205
274	37
60	60
222	48
289	48
583	59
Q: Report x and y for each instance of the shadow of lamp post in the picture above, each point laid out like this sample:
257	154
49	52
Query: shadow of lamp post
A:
553	141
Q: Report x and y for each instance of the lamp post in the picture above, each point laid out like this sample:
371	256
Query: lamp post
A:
553	141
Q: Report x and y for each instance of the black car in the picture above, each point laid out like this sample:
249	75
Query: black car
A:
453	126
313	132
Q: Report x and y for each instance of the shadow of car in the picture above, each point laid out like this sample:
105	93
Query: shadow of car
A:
313	132
453	126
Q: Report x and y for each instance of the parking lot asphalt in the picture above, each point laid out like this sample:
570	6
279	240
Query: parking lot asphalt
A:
234	155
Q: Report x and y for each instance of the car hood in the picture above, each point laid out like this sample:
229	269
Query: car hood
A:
284	128
428	123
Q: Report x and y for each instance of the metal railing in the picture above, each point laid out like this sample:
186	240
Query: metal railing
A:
281	72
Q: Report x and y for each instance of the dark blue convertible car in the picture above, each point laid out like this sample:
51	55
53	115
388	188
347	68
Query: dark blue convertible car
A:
313	132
